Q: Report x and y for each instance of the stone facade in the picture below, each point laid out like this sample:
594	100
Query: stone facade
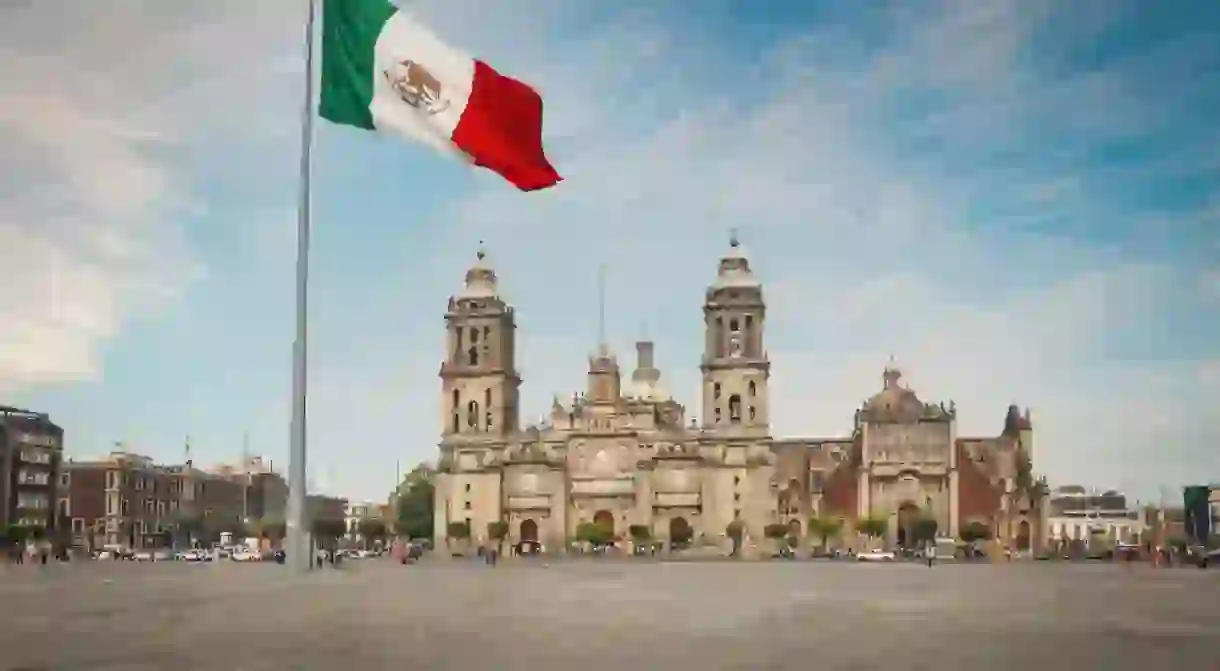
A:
628	456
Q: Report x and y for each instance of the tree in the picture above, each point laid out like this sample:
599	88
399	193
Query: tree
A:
735	531
18	534
873	527
925	530
975	531
640	533
371	528
497	531
415	503
594	534
825	528
776	532
326	531
458	531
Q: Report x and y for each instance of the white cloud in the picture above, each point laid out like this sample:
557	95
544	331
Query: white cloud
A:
870	246
860	165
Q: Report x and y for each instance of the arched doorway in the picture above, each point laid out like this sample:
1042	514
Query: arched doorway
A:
605	520
908	516
680	532
529	530
1023	536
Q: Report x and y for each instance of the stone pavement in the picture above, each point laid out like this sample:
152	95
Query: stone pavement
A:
594	614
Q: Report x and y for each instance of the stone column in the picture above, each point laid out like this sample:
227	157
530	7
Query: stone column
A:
954	504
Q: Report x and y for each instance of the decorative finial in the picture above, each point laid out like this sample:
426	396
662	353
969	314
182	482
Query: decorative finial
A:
733	241
481	253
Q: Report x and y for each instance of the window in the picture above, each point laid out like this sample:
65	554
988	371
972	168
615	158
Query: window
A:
112	479
35	456
126	508
468	505
749	321
487	406
734	326
751	413
28	477
457	404
64	511
716	391
717	415
32	500
472	356
486	334
139	483
734	409
65	479
78	525
753	388
467	487
472	414
474	336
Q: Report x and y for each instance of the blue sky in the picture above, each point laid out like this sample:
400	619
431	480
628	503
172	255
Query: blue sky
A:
1019	200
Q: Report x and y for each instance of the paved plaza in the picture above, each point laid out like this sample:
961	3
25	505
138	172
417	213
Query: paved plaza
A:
609	614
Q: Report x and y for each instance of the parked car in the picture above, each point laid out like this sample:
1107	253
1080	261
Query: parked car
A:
243	555
194	556
875	556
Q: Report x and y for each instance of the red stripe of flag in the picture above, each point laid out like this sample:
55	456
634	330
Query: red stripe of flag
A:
501	130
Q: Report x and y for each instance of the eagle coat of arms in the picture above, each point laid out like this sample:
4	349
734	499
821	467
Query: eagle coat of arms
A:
417	87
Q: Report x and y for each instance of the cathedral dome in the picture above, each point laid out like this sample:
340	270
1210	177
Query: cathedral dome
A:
480	278
894	403
734	270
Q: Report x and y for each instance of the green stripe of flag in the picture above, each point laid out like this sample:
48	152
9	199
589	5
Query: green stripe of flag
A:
349	36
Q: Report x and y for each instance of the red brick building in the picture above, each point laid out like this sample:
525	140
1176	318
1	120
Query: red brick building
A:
904	460
126	499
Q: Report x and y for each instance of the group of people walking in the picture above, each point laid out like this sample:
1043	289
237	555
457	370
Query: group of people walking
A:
36	553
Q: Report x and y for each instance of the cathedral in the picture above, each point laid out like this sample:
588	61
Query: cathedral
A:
624	453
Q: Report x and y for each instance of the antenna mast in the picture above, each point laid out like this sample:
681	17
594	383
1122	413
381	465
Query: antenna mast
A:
601	306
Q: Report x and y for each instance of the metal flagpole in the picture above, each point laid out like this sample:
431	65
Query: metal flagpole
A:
245	467
299	555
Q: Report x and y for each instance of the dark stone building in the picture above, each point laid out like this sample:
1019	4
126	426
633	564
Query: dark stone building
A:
31	450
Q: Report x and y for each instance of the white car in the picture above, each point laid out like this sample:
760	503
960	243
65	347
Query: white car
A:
243	555
143	555
875	555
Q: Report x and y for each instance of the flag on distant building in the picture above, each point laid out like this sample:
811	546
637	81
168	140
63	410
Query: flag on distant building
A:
383	71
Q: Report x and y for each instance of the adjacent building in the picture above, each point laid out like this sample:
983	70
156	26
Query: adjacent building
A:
31	452
1076	515
127	499
323	507
625	453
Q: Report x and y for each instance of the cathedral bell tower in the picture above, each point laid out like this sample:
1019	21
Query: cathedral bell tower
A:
735	366
479	383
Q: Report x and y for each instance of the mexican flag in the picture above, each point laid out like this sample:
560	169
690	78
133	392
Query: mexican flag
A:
383	71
